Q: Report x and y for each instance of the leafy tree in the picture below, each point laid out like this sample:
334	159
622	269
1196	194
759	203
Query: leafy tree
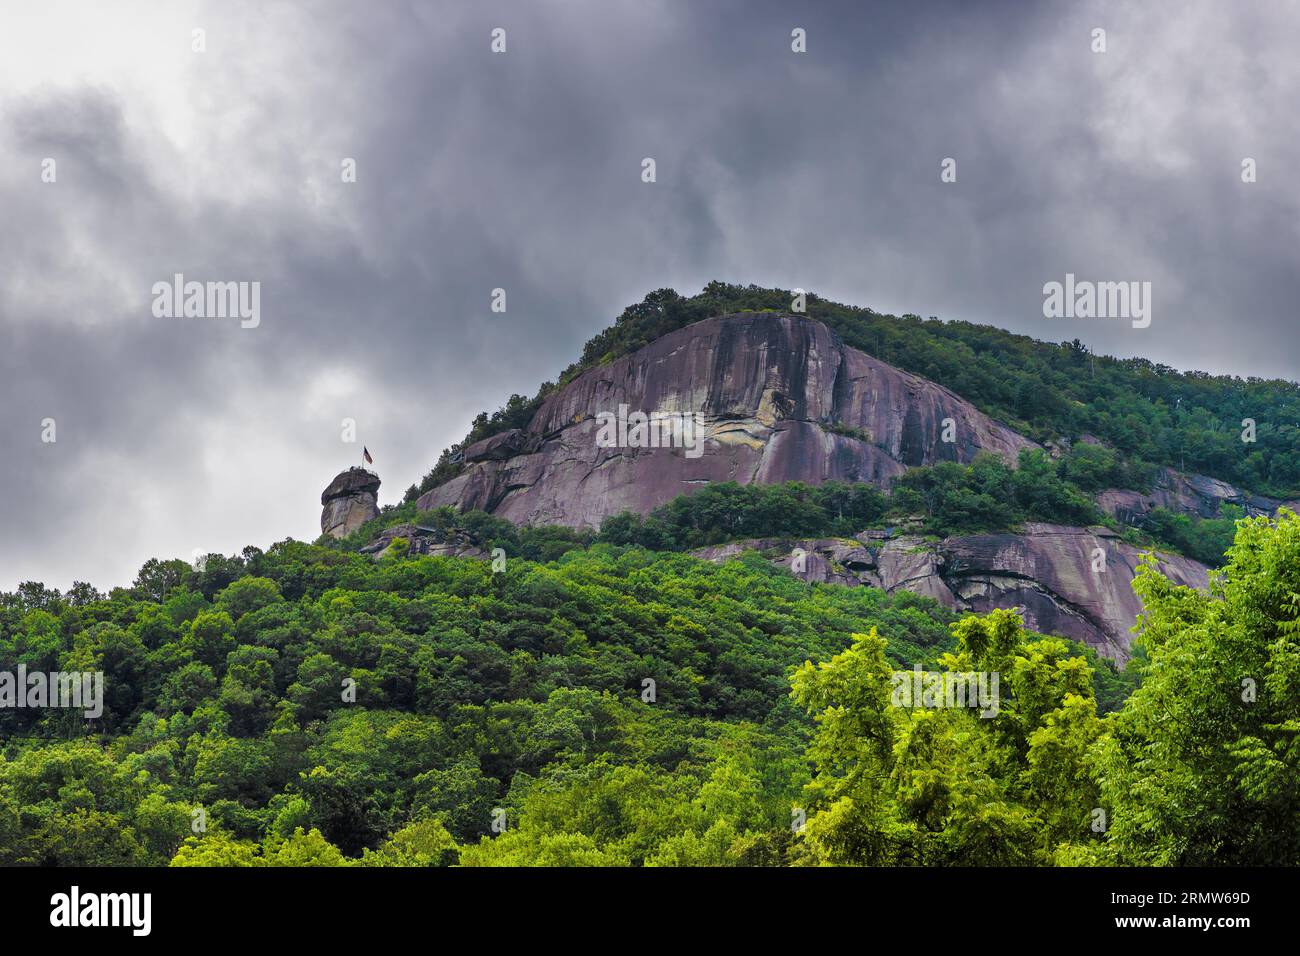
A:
1202	765
423	843
157	579
248	594
898	783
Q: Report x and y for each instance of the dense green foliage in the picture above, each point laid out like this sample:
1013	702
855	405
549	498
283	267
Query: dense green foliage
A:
1149	412
530	542
1205	539
1200	767
989	495
950	786
728	511
225	689
948	498
944	499
307	706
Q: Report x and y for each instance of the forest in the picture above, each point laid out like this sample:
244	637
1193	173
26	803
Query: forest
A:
609	704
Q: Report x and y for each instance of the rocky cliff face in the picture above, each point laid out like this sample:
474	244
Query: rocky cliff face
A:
349	501
1185	494
456	543
780	398
1046	571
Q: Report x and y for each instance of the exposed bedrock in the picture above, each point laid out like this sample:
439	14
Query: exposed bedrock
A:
781	399
1186	494
453	543
349	501
1047	571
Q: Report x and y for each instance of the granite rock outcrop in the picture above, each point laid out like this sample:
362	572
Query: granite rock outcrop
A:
349	501
1051	573
780	398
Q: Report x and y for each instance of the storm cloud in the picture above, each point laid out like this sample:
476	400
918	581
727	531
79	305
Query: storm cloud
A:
521	170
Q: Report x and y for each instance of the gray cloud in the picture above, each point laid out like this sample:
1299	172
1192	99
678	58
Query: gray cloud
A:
522	171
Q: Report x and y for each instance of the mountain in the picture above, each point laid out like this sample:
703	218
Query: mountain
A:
666	689
765	397
781	397
1245	432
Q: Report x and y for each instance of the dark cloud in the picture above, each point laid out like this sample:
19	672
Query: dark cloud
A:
522	171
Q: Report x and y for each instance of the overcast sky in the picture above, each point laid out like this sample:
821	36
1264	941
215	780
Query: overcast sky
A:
522	170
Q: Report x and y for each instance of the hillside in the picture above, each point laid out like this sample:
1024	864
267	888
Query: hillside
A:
771	398
524	668
1151	414
304	706
778	397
